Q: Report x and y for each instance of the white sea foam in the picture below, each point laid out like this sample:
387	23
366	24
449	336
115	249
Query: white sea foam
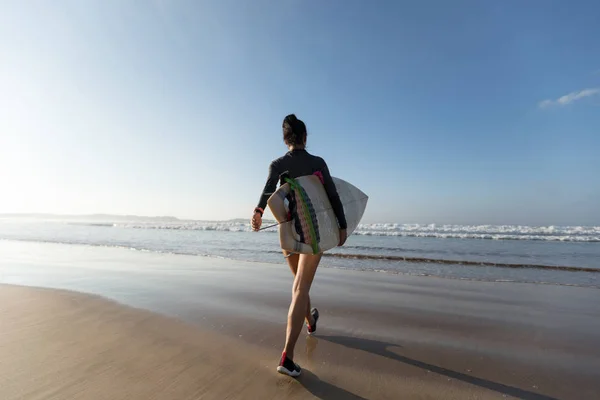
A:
493	232
226	226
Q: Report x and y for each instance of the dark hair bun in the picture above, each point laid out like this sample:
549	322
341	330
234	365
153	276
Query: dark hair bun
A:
294	130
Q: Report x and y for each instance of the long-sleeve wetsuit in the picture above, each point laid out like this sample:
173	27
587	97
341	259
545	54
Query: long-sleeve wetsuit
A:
296	163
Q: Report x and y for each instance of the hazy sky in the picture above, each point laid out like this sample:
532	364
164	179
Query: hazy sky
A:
460	112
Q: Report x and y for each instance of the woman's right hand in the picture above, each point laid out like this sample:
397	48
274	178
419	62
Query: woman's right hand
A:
343	237
256	221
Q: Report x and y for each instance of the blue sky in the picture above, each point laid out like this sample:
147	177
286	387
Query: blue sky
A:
443	112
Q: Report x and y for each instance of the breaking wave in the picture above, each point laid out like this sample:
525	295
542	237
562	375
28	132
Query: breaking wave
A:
489	232
493	232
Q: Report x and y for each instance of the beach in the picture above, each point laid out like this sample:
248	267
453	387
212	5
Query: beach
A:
153	158
95	323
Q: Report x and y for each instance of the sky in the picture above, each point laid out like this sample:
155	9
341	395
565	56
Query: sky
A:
466	112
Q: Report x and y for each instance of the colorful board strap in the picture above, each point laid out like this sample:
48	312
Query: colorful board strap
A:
304	215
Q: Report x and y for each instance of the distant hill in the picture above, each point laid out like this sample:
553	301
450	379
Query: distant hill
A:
118	218
91	217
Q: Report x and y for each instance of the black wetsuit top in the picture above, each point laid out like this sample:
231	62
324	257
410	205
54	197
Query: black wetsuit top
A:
296	163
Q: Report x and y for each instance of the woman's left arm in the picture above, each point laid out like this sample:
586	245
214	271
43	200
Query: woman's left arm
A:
334	197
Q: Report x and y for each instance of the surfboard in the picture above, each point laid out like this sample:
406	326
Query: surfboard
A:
307	223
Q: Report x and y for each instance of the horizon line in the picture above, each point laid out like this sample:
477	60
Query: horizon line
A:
170	218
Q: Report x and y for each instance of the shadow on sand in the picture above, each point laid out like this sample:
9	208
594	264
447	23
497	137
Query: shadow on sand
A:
324	390
381	349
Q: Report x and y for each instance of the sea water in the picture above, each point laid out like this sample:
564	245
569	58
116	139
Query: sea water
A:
563	255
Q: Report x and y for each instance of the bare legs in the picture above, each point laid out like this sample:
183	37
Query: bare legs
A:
304	267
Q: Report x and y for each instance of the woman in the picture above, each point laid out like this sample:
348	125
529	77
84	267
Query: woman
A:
295	163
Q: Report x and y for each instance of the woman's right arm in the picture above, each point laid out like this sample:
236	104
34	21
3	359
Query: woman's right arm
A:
270	186
268	190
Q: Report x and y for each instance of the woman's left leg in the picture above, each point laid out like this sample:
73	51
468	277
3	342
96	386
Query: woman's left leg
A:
307	267
292	260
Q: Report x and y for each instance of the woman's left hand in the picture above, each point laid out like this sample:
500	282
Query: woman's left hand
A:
256	221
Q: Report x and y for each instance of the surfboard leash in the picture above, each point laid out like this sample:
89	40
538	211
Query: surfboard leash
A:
272	226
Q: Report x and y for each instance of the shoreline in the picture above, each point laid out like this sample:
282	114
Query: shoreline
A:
366	270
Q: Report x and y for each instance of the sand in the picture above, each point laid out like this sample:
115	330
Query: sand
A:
65	345
217	327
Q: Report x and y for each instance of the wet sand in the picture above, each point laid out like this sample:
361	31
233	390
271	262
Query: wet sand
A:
217	330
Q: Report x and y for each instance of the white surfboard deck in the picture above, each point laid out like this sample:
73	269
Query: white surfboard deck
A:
352	198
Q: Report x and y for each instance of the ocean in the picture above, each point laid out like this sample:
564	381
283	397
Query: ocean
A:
559	255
